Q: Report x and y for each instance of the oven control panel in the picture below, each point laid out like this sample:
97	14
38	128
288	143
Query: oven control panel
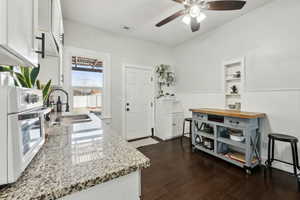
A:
32	98
22	99
29	97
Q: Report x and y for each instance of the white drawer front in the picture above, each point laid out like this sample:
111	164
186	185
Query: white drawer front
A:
236	122
200	116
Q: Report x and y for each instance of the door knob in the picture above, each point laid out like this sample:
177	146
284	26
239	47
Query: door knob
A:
127	109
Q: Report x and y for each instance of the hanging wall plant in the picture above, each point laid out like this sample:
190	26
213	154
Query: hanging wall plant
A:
165	77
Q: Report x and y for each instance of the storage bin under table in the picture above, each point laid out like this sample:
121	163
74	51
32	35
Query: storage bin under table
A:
214	125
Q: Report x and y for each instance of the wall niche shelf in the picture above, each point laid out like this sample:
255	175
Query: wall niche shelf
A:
234	76
233	79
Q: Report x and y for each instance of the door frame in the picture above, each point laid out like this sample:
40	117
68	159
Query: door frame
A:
67	71
124	67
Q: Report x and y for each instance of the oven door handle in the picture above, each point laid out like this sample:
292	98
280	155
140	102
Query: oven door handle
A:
28	116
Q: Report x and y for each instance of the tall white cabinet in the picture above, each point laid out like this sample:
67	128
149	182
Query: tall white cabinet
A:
51	24
168	118
18	32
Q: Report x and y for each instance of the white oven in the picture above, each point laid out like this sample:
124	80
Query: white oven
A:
22	134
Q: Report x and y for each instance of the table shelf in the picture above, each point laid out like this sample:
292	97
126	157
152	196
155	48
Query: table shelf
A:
232	142
207	135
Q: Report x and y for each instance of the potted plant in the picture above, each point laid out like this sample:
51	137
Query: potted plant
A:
27	78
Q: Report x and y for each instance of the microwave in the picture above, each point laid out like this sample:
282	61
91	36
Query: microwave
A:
22	130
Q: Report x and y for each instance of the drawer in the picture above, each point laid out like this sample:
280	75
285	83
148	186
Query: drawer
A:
236	122
200	116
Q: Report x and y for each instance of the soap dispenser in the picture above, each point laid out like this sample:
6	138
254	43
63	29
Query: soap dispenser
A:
58	105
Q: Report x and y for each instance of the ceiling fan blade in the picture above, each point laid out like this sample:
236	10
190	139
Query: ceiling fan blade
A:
225	5
195	25
172	17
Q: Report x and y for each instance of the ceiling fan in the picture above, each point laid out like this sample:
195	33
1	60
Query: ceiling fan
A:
193	14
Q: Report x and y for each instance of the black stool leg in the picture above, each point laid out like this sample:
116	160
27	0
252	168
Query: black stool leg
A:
273	145
268	163
183	132
191	122
295	161
294	158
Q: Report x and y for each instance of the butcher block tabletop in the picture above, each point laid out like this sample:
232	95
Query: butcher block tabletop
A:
229	113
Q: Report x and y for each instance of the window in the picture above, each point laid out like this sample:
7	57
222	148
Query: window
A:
87	83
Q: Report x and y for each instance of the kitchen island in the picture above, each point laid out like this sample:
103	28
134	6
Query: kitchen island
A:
81	161
231	135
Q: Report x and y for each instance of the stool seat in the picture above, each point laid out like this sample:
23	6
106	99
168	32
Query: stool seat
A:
283	138
188	119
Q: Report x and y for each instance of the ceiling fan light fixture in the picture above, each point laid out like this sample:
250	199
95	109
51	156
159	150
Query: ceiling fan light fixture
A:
195	11
201	17
186	19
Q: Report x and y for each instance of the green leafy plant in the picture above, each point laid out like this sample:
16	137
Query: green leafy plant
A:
27	78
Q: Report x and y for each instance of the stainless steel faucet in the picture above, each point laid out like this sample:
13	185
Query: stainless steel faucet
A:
61	90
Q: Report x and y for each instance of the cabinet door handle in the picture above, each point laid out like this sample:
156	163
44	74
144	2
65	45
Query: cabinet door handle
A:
62	37
42	51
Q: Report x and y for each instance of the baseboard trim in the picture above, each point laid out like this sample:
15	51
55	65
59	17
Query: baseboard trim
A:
157	138
137	139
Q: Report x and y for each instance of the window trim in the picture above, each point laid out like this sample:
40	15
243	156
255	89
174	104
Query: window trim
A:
105	57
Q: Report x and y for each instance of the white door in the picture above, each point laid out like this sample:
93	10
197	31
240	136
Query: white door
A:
139	92
22	28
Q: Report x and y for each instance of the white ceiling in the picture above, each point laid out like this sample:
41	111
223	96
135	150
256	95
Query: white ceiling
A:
142	15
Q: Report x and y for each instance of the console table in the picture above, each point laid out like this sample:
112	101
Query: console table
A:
211	130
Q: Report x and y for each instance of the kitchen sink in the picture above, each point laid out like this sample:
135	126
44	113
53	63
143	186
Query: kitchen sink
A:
73	119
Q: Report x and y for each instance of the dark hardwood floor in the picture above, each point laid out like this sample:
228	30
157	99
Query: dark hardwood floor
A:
178	174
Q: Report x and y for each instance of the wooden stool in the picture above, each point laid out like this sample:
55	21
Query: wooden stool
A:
189	120
284	138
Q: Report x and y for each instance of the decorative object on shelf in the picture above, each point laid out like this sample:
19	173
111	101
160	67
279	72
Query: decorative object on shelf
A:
236	135
234	89
232	106
198	140
165	77
238	105
208	143
26	77
237	74
235	106
208	129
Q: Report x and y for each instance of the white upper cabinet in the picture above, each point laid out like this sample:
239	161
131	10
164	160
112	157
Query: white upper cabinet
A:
57	25
18	32
51	23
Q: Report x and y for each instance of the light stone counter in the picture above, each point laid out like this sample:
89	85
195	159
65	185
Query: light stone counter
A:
75	157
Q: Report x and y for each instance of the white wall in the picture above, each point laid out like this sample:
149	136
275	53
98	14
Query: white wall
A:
269	38
123	50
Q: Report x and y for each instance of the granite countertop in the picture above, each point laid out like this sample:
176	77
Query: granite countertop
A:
75	157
